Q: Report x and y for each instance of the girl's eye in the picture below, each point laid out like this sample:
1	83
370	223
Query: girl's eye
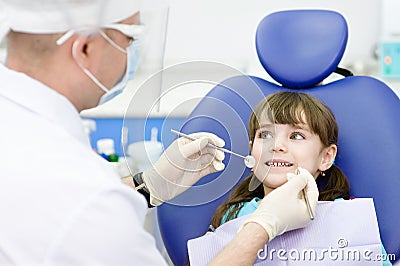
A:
297	136
265	135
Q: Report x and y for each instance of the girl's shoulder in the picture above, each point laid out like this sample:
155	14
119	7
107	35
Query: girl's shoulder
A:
246	208
249	207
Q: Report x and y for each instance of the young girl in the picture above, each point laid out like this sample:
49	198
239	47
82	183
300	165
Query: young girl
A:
288	130
295	129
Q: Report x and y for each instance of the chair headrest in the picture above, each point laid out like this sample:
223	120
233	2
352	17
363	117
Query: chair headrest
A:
300	48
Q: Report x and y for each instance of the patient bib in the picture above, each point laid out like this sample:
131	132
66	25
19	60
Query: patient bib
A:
342	233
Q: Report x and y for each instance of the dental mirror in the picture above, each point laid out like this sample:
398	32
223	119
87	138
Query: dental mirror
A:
248	160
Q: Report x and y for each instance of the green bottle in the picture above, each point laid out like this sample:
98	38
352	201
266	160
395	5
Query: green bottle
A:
113	158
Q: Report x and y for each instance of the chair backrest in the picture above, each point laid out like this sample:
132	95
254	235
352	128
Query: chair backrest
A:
299	49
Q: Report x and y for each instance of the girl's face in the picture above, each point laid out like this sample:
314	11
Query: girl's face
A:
279	148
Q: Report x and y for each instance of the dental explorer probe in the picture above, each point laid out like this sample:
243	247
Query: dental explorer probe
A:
297	171
249	160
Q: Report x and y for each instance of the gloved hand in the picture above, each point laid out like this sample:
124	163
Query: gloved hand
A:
182	164
284	209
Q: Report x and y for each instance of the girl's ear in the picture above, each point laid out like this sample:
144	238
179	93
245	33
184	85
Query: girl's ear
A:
251	145
328	157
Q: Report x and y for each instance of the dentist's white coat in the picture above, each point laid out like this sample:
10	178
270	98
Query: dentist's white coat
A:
60	203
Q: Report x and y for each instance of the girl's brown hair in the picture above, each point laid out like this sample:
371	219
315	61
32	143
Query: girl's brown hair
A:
290	108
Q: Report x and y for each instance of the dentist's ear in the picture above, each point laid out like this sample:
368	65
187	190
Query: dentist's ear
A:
74	48
80	52
77	48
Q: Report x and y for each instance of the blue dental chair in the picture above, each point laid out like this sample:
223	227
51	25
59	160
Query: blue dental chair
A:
298	49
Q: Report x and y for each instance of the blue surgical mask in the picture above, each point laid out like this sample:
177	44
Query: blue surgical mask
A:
132	57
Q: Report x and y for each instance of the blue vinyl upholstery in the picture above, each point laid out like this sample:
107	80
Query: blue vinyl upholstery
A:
298	49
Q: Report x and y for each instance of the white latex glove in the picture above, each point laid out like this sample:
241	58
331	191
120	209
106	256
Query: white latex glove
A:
284	209
182	164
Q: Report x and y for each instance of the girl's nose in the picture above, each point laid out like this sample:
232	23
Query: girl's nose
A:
279	147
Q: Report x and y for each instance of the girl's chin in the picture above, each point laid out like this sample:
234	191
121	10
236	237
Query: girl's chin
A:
274	182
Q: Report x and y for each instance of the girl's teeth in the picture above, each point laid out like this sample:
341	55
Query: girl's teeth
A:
279	164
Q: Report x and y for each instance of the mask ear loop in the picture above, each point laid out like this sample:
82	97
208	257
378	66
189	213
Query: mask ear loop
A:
119	48
85	70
